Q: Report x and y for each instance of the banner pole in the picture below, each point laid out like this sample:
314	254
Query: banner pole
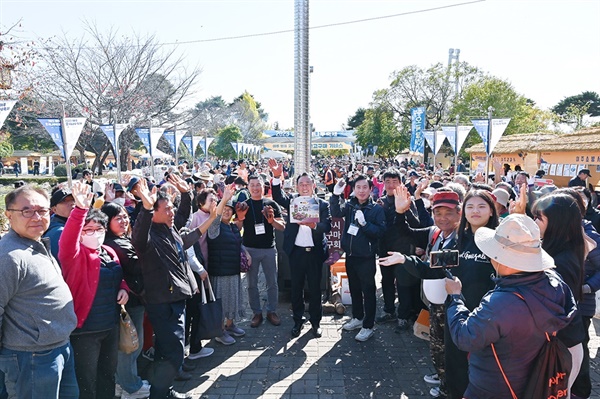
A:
117	157
456	144
487	149
64	138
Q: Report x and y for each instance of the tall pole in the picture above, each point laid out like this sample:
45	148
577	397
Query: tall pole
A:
457	118
302	131
64	138
434	145
117	157
150	149
206	146
487	147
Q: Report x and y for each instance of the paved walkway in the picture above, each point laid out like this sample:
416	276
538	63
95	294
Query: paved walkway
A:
266	363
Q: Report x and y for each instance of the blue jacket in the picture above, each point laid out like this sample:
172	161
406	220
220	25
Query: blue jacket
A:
365	243
514	325
587	306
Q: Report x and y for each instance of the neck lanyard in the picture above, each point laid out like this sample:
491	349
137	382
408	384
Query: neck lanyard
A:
253	214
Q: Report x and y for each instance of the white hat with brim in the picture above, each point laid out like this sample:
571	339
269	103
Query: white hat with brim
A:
515	243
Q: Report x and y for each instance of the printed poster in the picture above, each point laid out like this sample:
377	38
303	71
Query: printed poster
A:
553	169
559	169
573	170
304	209
567	170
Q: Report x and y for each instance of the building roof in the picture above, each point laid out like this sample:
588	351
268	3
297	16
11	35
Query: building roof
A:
585	139
517	143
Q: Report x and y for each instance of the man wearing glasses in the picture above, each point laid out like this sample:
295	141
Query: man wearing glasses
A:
36	306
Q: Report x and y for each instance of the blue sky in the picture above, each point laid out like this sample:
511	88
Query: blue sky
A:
548	50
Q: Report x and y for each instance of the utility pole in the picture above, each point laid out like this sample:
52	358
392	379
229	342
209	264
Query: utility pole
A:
302	133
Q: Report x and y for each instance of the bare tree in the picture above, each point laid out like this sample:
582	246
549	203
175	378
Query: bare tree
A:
110	78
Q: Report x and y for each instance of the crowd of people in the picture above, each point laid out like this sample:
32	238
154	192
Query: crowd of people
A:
75	256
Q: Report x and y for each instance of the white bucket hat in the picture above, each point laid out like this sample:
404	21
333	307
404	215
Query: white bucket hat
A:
515	243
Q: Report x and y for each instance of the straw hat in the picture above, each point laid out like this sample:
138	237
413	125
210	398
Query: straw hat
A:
515	243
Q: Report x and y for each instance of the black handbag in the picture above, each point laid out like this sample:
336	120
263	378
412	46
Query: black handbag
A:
210	314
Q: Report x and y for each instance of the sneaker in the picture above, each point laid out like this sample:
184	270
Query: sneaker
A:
403	325
432	379
148	354
225	339
118	391
235	331
141	393
204	352
435	392
364	334
352	325
386	318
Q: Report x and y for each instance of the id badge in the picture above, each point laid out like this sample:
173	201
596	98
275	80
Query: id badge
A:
259	228
353	230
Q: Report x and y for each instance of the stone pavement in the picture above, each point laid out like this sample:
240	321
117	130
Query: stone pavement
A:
266	363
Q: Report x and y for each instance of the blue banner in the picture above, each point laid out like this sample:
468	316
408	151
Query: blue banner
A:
144	135
481	125
429	136
109	131
417	140
187	140
170	136
54	128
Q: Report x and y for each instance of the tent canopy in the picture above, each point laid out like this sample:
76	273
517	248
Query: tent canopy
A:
275	154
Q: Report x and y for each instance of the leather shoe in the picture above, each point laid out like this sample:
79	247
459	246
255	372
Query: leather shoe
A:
257	319
183	376
317	331
188	367
296	330
178	395
273	318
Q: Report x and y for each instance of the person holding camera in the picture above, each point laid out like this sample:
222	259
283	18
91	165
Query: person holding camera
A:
473	267
364	225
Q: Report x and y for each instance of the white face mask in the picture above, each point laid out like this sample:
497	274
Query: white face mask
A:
426	203
94	241
119	201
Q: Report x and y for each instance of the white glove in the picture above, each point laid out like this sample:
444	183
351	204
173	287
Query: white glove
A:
338	189
360	218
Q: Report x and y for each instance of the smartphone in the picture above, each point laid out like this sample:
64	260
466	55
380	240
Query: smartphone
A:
446	258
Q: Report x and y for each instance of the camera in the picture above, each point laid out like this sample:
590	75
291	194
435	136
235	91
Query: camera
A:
445	258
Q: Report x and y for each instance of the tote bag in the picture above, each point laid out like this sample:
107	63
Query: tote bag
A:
128	336
210	314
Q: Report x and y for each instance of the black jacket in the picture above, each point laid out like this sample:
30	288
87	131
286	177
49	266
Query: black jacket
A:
132	273
166	270
291	229
366	241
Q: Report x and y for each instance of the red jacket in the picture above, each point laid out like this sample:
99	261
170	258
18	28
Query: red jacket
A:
81	265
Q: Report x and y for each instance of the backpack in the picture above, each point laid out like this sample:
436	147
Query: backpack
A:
550	371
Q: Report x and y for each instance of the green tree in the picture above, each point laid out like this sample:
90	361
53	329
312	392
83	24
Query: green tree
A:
572	109
248	115
379	129
222	146
356	120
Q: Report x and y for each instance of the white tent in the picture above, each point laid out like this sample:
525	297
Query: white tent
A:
275	154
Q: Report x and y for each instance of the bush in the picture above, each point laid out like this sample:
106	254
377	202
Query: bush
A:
60	170
51	180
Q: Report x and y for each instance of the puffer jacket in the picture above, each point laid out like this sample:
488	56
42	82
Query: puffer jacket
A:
365	243
514	325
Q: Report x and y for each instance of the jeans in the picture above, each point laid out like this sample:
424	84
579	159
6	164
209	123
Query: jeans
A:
32	375
168	320
361	280
96	362
267	257
305	267
127	372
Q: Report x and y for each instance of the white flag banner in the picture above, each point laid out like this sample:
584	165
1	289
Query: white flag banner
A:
155	135
429	137
209	141
498	128
456	142
5	108
178	136
73	129
439	140
120	128
195	141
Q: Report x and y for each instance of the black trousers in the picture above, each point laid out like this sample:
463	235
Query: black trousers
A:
96	362
388	287
582	386
361	280
409	302
304	266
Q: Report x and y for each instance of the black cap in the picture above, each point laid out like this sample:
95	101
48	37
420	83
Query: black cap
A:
413	173
132	182
117	187
59	196
586	171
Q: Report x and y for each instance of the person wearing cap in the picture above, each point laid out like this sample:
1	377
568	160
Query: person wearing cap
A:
411	185
36	358
580	179
305	244
528	301
501	198
260	216
61	204
364	225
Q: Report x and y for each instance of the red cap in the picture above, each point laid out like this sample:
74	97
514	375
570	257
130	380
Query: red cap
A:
447	199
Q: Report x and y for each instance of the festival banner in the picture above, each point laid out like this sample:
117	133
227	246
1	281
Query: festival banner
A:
109	131
5	108
169	135
439	140
54	129
144	135
73	129
187	140
428	134
155	135
417	142
450	132
497	130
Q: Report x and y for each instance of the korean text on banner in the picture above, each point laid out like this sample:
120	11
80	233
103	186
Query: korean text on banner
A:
417	141
73	129
54	129
5	108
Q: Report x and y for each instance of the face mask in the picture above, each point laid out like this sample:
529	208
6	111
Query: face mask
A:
93	241
119	201
426	203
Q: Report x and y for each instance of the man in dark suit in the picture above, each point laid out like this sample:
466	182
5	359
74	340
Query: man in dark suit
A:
306	246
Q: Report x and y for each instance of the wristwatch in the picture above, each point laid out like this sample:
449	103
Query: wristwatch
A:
456	296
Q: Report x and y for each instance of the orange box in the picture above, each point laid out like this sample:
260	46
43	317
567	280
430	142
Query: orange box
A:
338	267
